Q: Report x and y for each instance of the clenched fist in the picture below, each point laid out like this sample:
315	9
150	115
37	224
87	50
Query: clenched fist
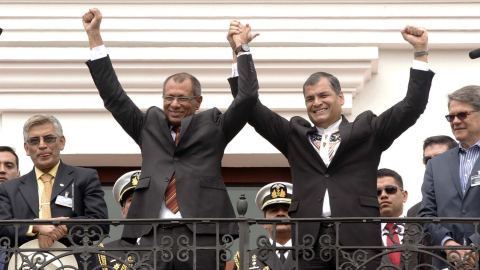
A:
92	20
417	36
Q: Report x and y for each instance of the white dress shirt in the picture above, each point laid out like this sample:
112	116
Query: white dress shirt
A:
288	244
400	228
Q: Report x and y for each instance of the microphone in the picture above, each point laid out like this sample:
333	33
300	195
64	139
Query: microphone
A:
474	54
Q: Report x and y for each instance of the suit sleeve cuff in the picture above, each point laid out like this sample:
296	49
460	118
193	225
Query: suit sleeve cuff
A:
98	52
234	70
420	65
445	239
30	232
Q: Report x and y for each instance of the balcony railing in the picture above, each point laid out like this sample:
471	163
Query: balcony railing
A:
85	238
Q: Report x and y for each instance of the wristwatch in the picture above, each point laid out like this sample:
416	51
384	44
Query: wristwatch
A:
242	48
420	53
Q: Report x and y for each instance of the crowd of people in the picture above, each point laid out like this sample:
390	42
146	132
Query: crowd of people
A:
182	152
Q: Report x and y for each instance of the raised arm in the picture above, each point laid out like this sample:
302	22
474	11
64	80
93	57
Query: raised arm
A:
127	114
236	116
393	122
267	123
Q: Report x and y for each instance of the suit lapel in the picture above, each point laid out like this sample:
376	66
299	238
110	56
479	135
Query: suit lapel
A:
289	262
29	191
62	180
345	131
304	133
273	261
454	163
386	259
185	124
475	171
164	126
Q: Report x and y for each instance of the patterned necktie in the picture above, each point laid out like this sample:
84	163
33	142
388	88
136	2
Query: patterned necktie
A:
46	196
394	256
171	191
282	255
334	140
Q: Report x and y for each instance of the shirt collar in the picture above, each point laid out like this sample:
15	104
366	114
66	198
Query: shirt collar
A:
400	226
332	128
52	172
463	149
288	244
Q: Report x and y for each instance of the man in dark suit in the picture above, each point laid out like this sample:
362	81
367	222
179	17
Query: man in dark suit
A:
52	190
182	151
8	170
432	146
8	164
391	197
273	200
334	162
450	186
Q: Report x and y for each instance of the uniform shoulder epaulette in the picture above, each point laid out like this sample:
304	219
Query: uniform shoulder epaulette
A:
236	258
102	259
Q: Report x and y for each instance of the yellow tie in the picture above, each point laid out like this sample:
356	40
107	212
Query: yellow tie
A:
46	196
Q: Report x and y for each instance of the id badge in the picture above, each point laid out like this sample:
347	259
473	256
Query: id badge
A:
475	180
64	201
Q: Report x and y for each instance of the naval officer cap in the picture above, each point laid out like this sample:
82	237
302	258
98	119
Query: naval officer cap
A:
279	192
125	184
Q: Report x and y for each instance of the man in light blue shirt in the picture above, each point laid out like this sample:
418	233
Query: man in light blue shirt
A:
450	187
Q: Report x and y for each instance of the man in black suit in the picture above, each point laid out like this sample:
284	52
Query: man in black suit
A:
432	146
52	190
334	162
391	197
273	200
182	151
8	164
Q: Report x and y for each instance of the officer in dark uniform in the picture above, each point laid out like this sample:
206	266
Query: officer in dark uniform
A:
273	200
122	193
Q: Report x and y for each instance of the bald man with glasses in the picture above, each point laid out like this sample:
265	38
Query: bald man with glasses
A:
451	183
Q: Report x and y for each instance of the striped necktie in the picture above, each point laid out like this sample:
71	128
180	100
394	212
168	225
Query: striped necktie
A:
171	191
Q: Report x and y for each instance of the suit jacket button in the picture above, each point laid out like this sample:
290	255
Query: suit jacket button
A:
175	158
464	211
166	179
320	199
327	175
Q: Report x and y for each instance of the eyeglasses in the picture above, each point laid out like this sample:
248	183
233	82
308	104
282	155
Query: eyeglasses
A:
390	190
460	116
179	99
36	140
426	159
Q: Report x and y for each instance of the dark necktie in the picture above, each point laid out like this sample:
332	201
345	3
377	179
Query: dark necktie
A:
395	256
282	255
171	191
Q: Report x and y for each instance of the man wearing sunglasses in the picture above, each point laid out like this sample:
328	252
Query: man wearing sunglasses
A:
182	151
432	146
334	162
451	183
52	190
391	197
8	164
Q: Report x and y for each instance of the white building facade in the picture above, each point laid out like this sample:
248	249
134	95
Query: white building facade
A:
44	46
